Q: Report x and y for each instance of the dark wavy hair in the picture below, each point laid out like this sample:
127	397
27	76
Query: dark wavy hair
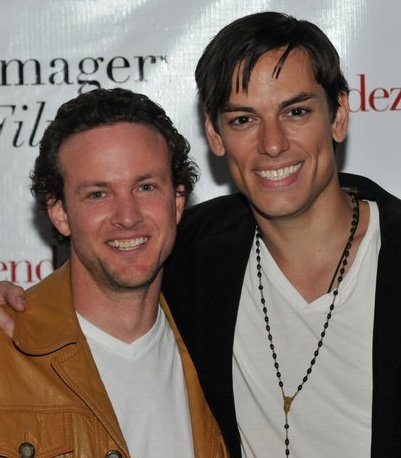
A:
245	40
105	107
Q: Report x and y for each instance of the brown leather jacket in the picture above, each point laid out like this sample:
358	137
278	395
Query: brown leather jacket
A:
52	400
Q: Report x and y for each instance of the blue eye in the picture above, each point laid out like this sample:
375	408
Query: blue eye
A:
146	187
96	194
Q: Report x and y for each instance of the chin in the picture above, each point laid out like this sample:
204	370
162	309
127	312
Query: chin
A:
277	209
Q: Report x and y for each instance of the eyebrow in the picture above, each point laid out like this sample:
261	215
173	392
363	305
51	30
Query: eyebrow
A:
91	184
301	97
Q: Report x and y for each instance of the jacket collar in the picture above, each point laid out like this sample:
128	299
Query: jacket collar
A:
49	322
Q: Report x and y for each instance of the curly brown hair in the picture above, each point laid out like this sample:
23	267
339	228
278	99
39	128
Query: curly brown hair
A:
105	107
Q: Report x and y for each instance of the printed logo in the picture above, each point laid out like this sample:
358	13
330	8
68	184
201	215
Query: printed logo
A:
377	99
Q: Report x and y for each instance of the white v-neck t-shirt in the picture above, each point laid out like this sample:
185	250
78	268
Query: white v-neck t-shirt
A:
146	386
331	415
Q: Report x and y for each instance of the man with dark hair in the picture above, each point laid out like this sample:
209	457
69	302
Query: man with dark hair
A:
286	293
97	367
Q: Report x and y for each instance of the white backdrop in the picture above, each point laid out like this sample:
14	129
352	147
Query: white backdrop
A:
53	49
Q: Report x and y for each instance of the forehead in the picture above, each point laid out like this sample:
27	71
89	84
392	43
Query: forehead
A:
111	133
123	148
297	69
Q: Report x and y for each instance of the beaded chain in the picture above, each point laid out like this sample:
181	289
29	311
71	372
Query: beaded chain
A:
340	269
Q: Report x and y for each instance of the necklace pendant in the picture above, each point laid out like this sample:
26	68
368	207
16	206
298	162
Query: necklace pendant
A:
287	403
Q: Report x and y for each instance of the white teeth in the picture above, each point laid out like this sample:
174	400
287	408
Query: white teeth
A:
279	174
127	245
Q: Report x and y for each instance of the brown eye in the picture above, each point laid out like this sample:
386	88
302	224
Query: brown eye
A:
241	120
297	112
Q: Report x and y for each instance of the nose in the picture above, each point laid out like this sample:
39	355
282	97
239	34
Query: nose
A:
272	138
126	212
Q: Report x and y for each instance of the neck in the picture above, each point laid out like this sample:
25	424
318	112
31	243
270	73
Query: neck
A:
310	230
126	315
316	239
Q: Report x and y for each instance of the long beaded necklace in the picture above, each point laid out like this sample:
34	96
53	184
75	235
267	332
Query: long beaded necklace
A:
340	269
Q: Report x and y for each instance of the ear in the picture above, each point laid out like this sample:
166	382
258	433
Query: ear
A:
58	216
339	126
179	202
213	138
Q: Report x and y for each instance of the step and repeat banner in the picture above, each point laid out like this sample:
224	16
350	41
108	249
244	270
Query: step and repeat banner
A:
52	50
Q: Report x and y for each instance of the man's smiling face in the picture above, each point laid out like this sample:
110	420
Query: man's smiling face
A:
120	207
278	136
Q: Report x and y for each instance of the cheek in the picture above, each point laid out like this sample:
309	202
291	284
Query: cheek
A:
168	219
240	146
317	142
236	146
238	162
161	211
87	221
239	174
164	225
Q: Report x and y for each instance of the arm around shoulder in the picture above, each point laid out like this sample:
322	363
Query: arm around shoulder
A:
15	297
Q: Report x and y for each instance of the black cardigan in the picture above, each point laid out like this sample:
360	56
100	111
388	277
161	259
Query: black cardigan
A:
203	281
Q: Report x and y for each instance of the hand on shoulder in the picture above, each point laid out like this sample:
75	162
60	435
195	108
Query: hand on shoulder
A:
15	297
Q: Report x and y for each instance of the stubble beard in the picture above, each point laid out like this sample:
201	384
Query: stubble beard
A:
109	279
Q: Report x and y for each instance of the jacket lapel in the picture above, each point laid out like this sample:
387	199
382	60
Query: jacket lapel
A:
386	359
76	367
50	327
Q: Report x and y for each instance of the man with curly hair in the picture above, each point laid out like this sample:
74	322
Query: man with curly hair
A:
97	367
